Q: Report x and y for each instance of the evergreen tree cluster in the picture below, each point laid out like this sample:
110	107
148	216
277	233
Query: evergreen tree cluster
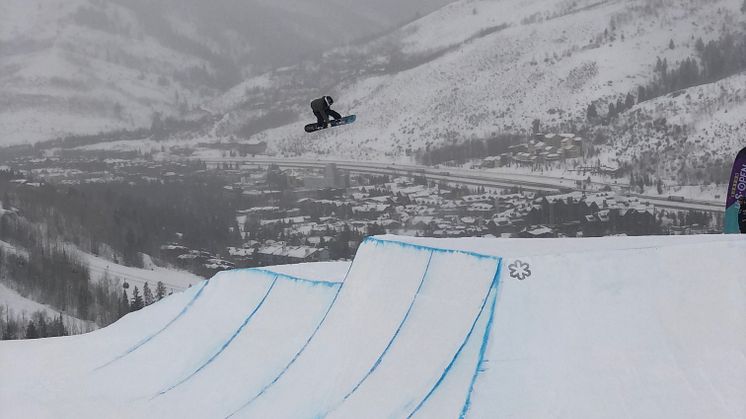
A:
614	108
640	181
52	273
140	300
131	217
715	60
38	326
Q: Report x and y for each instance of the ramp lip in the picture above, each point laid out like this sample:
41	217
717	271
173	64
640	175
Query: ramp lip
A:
721	239
402	243
270	272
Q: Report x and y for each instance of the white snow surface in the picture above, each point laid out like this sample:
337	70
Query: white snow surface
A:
624	327
174	280
319	271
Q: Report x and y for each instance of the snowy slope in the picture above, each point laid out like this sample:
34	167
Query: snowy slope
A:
67	72
715	115
567	328
87	66
16	305
475	68
174	280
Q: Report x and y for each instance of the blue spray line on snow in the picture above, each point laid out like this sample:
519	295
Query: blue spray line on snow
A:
186	308
482	352
393	338
298	354
493	288
312	282
226	344
376	240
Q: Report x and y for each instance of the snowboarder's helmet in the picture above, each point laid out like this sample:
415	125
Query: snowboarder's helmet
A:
329	100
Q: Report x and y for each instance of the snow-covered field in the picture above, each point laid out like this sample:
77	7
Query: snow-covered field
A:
571	328
174	280
16	305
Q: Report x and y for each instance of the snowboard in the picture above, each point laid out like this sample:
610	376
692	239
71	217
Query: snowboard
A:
736	189
332	123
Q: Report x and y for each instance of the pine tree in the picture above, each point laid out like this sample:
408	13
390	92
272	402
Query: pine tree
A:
641	94
124	304
671	45
85	299
59	327
31	332
620	106
629	102
591	113
53	329
700	45
160	291
43	327
147	295
536	126
12	329
136	303
612	110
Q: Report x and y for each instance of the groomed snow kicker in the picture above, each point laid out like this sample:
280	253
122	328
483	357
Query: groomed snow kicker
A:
643	327
402	316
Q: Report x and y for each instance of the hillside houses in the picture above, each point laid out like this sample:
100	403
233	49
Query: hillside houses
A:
282	254
596	214
330	223
282	218
539	150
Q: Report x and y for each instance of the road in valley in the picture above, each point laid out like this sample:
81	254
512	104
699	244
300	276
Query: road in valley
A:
473	177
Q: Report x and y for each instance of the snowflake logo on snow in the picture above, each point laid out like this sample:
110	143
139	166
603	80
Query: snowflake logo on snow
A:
519	270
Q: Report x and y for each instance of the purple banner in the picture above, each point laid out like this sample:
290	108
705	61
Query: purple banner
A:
737	186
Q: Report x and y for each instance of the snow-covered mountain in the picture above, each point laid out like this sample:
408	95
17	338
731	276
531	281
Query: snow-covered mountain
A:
476	68
87	66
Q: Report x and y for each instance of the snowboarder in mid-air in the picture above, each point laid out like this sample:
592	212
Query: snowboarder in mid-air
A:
322	110
742	214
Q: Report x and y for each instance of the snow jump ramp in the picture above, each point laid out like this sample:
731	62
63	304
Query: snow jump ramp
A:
647	327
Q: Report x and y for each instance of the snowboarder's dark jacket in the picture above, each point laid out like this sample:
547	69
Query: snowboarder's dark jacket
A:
320	105
322	111
742	218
